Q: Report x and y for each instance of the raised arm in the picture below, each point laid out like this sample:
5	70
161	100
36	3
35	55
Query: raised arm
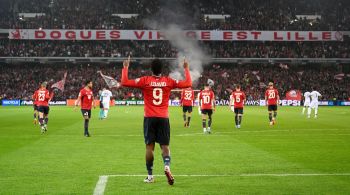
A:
188	81
125	79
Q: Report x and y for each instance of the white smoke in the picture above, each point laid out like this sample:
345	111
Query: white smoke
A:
188	48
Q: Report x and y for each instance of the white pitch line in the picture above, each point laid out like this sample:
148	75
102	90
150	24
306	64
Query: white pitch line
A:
101	185
240	175
103	179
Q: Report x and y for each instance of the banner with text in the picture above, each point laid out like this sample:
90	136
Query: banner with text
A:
203	35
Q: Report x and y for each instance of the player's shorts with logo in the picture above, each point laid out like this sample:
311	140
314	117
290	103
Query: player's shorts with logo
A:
238	110
86	112
187	109
209	112
156	129
314	104
44	109
272	107
105	104
306	103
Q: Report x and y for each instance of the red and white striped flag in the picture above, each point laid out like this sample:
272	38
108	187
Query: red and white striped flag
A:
60	84
111	82
339	76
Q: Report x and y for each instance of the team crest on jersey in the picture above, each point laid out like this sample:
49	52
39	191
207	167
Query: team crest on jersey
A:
137	80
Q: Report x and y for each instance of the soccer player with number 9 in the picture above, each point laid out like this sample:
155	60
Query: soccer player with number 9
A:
156	92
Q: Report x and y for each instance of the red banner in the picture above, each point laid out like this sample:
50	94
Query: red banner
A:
203	35
294	95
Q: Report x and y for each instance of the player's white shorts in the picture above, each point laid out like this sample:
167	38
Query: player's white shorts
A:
307	103
314	104
105	104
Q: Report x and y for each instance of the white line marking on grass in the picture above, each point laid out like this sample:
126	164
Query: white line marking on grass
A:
103	179
239	175
292	174
101	185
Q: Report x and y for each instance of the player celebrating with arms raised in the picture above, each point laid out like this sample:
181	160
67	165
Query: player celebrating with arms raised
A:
272	98
156	92
86	98
187	98
206	102
237	100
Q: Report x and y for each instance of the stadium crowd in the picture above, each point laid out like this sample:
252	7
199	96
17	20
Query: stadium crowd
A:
221	49
246	15
20	81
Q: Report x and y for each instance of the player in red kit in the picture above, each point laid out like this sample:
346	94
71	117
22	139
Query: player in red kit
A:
237	100
272	98
43	98
206	100
86	100
187	98
35	106
156	91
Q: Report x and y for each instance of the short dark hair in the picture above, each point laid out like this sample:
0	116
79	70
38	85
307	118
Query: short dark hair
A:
87	81
157	66
238	86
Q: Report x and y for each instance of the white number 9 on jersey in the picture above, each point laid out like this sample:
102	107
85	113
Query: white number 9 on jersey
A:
157	96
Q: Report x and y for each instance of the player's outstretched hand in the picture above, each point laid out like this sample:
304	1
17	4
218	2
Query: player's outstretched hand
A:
126	63
186	65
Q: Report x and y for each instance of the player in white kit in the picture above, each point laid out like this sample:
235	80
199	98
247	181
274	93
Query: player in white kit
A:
106	98
314	103
307	101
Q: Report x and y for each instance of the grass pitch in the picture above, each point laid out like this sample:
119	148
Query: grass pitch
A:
296	156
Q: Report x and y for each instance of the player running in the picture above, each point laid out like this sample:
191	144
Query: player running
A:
187	98
35	106
156	91
237	100
86	98
306	101
43	97
314	103
106	98
272	98
207	104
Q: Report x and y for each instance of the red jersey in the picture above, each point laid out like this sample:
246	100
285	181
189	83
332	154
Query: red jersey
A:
156	91
238	98
86	97
271	96
35	97
206	98
43	97
187	97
